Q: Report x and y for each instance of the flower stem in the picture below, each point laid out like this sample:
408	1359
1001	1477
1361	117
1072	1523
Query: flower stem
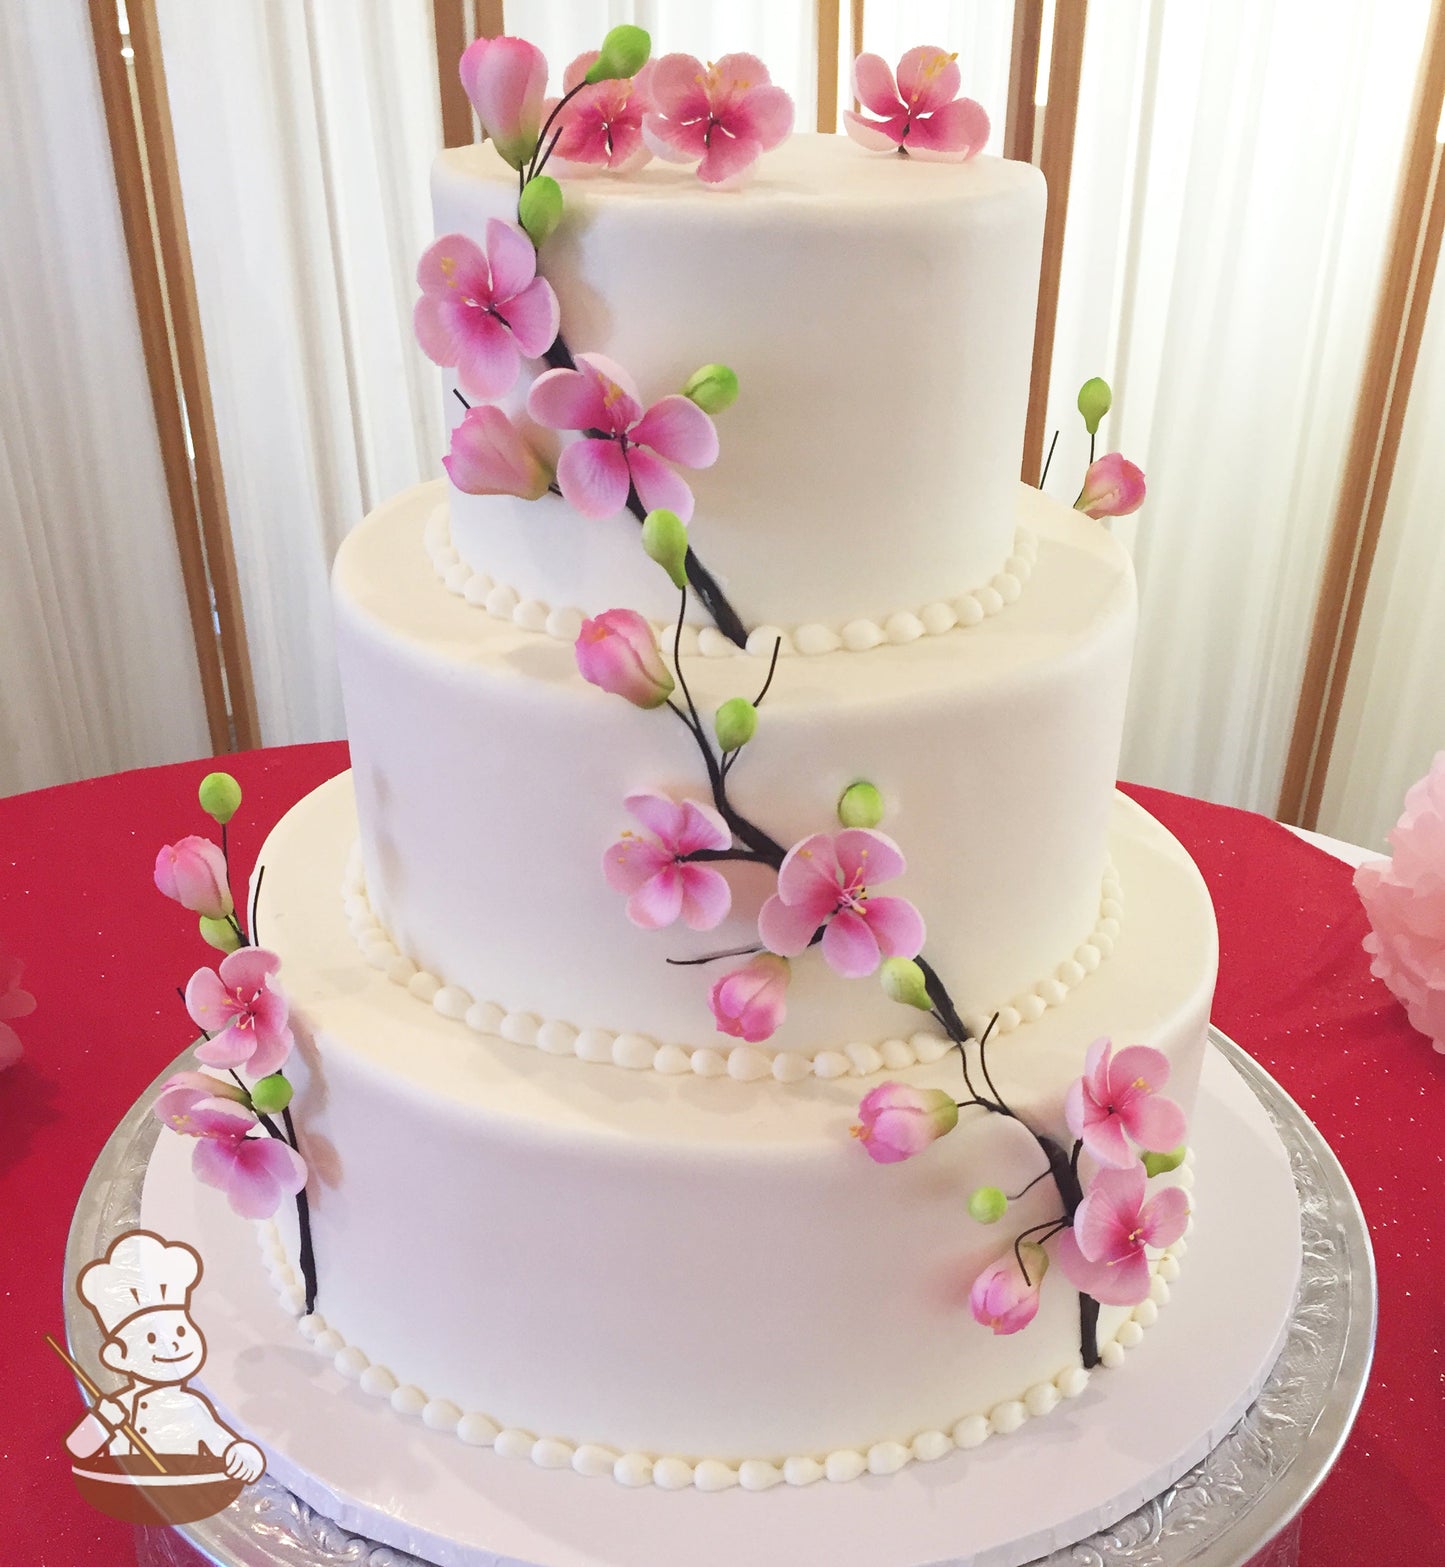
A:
1049	459
557	108
307	1256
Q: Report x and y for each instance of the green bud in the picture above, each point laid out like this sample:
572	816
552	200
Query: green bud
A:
220	934
860	805
664	537
712	388
736	722
1162	1163
903	981
624	52
271	1094
987	1204
1095	400
539	208
220	796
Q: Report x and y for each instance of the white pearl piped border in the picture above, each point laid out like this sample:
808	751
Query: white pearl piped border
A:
857	636
746	1063
633	1469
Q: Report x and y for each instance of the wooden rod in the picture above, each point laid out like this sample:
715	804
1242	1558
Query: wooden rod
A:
150	304
450	28
829	19
855	41
190	353
126	1429
1400	309
1023	77
1056	159
491	23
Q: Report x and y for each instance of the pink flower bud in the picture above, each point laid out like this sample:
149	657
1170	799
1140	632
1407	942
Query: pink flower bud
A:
491	455
183	1091
506	79
618	652
193	872
1005	1296
896	1121
1113	487
748	1002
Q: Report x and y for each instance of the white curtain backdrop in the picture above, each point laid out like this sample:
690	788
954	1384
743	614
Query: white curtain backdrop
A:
1393	719
1234	173
97	665
1235	165
304	133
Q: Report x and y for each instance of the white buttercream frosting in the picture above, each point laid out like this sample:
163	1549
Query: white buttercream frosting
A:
640	1052
596	1460
811	639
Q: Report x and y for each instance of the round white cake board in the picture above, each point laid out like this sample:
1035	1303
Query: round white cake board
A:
1094	1459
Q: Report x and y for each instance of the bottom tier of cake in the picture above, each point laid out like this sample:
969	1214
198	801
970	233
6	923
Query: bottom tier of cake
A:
676	1278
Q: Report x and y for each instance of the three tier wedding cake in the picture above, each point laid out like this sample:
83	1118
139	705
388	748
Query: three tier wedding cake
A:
767	1041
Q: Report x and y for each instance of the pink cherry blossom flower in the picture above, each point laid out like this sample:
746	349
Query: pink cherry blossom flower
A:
14	1003
247	1018
193	872
254	1172
827	881
624	446
1113	487
506	79
750	1002
617	651
1104	1253
896	1121
1404	898
602	126
1118	1098
183	1091
920	113
1005	1296
726	115
494	455
660	884
481	310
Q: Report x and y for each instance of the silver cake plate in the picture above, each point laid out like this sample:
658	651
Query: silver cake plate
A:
1225	1510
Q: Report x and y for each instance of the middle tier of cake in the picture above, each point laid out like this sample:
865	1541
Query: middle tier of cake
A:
490	780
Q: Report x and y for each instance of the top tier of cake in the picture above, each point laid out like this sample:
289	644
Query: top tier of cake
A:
879	315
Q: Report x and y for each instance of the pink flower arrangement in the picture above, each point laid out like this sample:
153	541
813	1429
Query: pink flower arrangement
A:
661	884
14	1002
617	651
1104	1255
602	126
237	1006
722	117
1117	1099
896	1121
750	1002
1005	1296
193	872
1404	899
481	310
1113	487
827	881
506	79
920	111
494	455
254	1172
625	445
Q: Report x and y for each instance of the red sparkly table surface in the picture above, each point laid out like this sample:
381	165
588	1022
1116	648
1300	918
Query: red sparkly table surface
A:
103	954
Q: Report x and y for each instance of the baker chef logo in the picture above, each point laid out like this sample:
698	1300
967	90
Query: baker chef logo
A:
153	1450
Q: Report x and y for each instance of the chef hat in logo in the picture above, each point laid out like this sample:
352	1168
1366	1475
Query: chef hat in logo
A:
139	1273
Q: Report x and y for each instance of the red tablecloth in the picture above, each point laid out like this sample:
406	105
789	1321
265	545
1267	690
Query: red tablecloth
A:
104	954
